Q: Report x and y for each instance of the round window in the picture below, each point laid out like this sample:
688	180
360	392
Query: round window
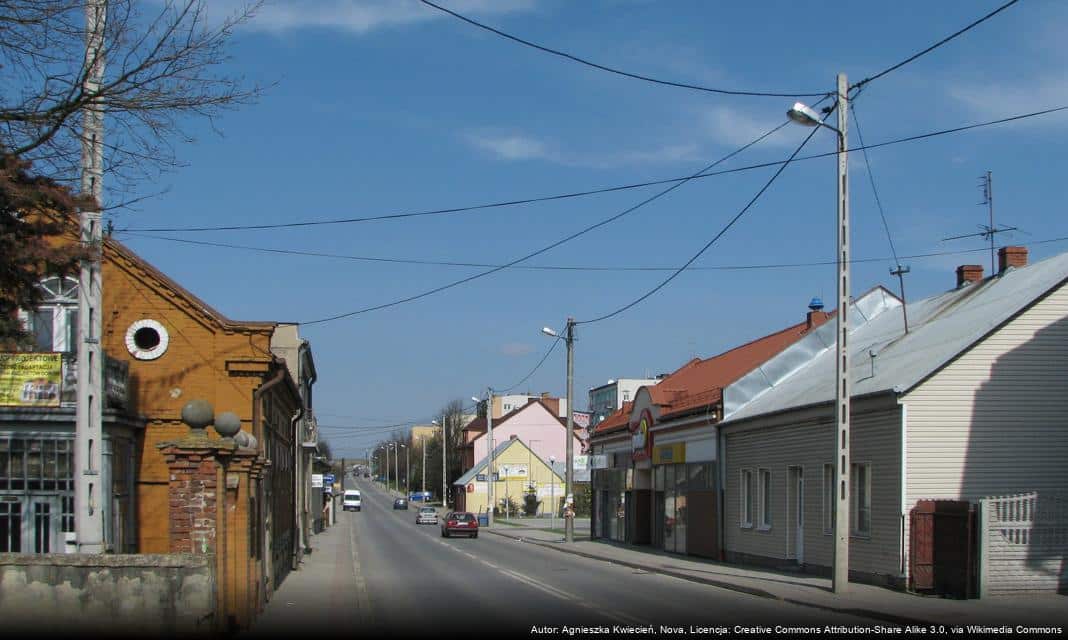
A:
147	339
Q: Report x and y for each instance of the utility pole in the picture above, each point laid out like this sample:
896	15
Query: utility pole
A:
840	578
900	273
91	498
492	460
444	485
422	445
344	468
407	469
569	489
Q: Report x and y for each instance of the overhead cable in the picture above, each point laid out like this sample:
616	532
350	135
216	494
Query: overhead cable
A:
547	247
711	242
601	67
531	267
578	194
934	46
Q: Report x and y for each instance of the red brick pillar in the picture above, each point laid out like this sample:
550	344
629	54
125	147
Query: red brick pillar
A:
196	473
238	581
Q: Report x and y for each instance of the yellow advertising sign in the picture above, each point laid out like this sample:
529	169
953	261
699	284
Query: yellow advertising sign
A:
669	453
30	379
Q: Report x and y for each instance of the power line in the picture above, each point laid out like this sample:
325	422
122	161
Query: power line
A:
609	268
708	244
578	194
874	190
933	46
548	247
601	67
532	371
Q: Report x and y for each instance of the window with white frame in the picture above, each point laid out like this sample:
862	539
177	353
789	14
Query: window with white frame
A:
764	476
828	498
54	324
860	492
747	498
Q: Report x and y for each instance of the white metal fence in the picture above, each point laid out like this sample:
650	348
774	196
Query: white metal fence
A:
1023	543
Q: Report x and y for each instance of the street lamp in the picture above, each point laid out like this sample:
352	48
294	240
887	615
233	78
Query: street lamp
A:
490	467
407	462
569	338
530	467
552	492
806	116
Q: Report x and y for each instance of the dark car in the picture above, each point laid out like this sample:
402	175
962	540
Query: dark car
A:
460	522
400	503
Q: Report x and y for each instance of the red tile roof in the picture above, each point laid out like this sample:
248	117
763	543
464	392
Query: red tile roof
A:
616	421
698	384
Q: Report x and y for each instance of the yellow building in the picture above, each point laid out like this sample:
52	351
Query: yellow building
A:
425	432
519	471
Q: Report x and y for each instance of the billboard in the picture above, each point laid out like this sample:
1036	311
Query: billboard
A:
581	419
30	379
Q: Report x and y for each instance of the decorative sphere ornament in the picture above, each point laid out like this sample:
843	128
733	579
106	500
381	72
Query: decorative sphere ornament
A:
227	424
198	414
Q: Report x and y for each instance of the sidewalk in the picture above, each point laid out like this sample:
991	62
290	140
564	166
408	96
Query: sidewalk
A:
879	603
324	594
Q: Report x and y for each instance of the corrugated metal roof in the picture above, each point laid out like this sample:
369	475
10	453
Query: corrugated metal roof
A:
940	328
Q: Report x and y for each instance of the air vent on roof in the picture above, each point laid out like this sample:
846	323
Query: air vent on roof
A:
816	304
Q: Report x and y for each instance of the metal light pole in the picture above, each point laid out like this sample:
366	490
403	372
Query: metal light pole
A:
569	339
422	445
407	466
530	467
806	116
552	492
490	504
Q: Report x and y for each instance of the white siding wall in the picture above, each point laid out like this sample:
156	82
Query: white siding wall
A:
810	445
995	421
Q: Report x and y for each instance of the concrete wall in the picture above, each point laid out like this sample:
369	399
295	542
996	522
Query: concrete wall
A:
151	595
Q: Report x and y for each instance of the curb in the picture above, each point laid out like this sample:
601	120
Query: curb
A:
730	586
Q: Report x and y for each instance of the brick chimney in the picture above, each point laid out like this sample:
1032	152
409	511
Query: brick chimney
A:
1011	257
969	273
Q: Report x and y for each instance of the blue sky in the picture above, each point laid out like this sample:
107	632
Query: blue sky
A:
387	107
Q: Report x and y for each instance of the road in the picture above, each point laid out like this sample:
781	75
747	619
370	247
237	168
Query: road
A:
413	581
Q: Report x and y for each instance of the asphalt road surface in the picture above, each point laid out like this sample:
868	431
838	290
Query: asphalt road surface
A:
413	581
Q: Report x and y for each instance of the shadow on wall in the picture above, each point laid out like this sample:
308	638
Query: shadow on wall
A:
1019	444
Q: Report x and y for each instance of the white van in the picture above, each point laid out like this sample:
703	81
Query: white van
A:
351	500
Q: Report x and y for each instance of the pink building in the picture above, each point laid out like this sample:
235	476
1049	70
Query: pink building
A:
534	423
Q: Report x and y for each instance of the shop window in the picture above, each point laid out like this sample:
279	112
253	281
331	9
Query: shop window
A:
747	498
828	498
861	498
765	498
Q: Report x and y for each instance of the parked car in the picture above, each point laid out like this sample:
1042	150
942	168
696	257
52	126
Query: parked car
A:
459	522
400	503
351	500
426	515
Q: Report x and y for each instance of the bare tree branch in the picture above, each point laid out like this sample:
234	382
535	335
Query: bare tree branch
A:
160	70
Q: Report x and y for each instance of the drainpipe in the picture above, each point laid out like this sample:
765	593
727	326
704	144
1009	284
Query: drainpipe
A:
257	415
298	490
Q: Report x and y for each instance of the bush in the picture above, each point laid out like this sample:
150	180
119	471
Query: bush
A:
531	504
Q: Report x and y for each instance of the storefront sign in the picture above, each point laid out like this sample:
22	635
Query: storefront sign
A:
580	419
507	471
641	440
669	453
317	481
599	461
30	379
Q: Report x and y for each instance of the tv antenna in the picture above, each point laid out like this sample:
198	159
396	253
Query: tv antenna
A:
986	184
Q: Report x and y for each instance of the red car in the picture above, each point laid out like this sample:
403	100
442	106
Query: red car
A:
459	522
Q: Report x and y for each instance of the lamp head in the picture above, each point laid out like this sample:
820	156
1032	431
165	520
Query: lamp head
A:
475	400
802	114
549	332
